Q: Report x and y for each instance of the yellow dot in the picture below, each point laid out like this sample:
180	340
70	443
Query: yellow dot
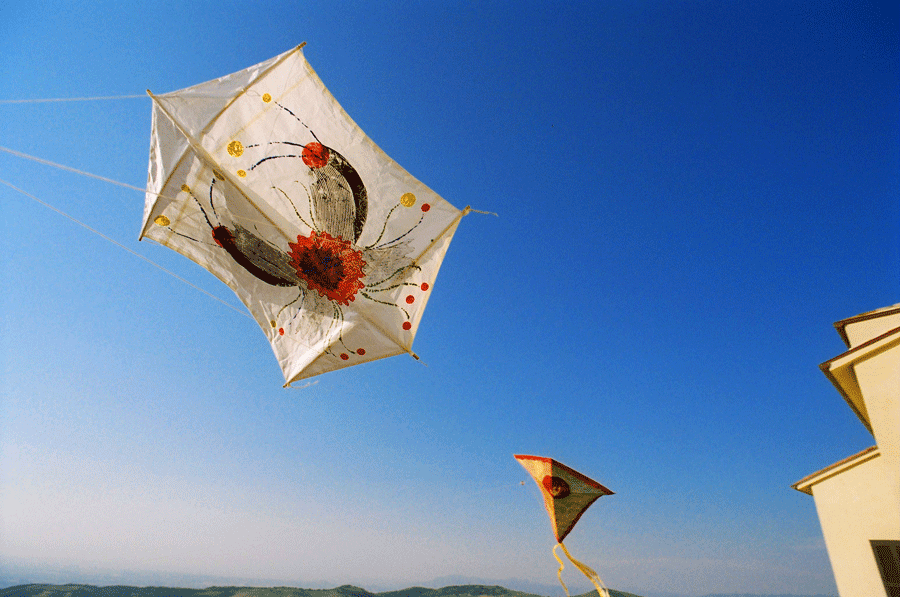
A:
408	200
185	188
267	98
161	221
272	322
241	173
235	149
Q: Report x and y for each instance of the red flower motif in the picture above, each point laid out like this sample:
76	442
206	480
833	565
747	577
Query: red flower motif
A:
315	155
329	265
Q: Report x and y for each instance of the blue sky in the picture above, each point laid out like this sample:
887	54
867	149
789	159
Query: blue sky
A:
689	195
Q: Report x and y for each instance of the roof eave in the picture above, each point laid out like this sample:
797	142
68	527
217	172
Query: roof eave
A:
805	484
841	326
840	371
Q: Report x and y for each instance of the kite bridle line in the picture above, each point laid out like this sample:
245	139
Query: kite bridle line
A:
81	172
69	99
87	99
120	245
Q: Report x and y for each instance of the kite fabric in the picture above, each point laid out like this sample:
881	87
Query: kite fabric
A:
567	494
263	179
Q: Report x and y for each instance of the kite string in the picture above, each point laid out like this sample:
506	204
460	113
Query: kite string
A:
120	245
69	99
76	171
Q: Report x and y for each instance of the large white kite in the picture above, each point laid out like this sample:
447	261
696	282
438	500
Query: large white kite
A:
263	179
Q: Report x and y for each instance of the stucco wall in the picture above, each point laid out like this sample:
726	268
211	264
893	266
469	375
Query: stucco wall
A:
855	507
862	331
878	376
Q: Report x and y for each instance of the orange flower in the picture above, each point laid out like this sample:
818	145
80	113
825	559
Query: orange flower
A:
328	265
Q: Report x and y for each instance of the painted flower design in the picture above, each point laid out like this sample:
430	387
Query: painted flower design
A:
328	265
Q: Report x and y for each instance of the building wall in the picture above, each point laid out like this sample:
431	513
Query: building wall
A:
878	376
855	507
862	331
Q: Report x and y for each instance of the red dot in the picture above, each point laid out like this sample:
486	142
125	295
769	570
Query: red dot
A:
315	155
361	351
425	207
424	286
410	299
345	356
407	325
281	331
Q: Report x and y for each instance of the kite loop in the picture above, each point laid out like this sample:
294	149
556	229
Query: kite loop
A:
584	568
469	209
303	387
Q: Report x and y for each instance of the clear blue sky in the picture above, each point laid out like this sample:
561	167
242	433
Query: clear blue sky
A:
689	195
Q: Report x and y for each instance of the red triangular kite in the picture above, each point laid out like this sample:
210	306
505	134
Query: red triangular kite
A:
567	494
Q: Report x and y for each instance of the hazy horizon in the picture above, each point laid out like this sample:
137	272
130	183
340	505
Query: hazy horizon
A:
101	577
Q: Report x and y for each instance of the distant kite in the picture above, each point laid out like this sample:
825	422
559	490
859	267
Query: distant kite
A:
263	179
567	494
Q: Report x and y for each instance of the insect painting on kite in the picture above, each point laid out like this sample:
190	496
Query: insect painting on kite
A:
263	179
567	495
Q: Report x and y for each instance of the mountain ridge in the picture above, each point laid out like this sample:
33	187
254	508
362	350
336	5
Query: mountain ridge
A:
467	590
86	590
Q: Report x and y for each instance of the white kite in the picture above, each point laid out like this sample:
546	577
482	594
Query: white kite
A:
263	179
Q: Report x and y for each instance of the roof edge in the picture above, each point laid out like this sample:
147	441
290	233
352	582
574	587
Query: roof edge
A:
850	358
875	314
805	484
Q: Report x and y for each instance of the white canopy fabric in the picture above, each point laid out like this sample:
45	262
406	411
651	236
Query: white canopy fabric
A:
263	179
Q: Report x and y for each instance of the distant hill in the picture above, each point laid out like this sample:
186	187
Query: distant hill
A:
43	590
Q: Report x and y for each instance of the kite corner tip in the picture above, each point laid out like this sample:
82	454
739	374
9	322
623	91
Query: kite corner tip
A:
302	43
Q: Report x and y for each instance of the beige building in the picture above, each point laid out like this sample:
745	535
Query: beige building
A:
858	498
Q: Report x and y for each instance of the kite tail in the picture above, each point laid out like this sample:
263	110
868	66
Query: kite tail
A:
586	570
561	566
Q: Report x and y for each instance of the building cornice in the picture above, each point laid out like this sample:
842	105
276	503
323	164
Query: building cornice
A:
840	371
841	326
805	484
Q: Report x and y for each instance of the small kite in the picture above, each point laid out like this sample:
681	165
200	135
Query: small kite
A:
567	494
262	178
